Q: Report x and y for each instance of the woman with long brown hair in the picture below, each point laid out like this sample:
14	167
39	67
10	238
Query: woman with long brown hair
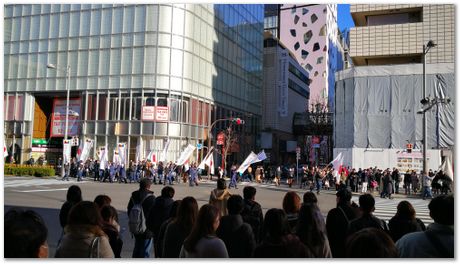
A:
404	221
83	235
202	241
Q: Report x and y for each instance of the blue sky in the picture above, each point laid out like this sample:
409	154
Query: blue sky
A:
344	17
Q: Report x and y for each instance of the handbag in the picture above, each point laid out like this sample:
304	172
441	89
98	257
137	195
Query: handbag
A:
94	247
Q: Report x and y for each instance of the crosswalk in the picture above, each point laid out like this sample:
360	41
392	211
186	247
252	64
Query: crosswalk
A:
385	209
21	182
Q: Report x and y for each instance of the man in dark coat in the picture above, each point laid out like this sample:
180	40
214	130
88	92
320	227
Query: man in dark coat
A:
159	213
236	234
337	222
252	212
143	242
367	206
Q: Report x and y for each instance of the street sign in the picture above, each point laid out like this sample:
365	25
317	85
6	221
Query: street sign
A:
39	141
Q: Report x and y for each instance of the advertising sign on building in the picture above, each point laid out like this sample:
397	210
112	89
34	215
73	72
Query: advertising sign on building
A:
410	161
58	117
148	113
162	113
282	83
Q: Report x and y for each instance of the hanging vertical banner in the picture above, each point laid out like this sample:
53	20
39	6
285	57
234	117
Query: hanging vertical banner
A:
206	159
116	157
103	158
188	151
140	150
87	145
66	150
165	150
58	117
282	83
122	153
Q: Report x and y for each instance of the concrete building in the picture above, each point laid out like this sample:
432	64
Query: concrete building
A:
139	74
377	100
285	93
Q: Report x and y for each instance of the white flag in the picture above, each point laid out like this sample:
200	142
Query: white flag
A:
252	158
66	150
188	151
139	150
87	145
208	160
5	151
103	158
122	153
446	167
337	164
152	156
165	150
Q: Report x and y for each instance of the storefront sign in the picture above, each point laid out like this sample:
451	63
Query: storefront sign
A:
162	113
148	113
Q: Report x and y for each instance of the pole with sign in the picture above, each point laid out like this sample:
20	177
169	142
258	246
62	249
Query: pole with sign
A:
66	151
297	157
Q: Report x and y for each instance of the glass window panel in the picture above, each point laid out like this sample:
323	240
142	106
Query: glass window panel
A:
32	73
116	41
177	42
178	21
164	40
24	47
8	10
137	107
63	44
174	110
115	61
104	62
93	62
65	8
17	10
106	24
25	27
94	42
117	23
83	63
95	22
105	42
152	17
114	82
74	24
126	61
150	60
73	44
128	40
128	22
163	61
85	23
35	27
64	25
138	58
102	107
176	62
139	22
165	19
136	81
139	39
83	43
125	81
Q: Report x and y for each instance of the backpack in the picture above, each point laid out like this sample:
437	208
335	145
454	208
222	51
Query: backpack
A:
136	218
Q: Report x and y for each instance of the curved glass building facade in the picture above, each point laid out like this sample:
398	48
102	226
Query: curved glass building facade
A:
141	74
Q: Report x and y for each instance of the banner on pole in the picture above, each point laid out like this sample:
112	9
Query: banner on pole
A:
87	145
66	150
188	151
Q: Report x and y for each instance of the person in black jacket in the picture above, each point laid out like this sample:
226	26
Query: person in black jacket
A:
143	243
252	212
159	213
404	221
236	234
367	206
337	222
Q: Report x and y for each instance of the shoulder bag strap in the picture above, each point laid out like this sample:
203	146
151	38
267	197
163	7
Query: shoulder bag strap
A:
94	246
436	242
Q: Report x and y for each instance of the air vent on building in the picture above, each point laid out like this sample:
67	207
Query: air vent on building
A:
304	54
316	46
307	36
296	19
296	46
293	33
304	11
313	18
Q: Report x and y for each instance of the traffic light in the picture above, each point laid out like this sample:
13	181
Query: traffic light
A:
409	147
238	121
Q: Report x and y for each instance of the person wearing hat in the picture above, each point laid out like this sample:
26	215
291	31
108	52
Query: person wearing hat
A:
338	221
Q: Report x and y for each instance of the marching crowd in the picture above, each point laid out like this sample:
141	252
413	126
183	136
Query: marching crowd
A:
385	182
231	226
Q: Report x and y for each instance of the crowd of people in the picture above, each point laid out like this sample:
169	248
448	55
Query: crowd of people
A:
373	180
231	226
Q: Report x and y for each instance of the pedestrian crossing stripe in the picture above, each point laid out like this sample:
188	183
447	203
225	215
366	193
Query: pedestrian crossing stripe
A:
37	182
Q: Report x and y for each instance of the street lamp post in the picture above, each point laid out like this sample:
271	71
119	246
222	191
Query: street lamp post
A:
426	48
67	83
